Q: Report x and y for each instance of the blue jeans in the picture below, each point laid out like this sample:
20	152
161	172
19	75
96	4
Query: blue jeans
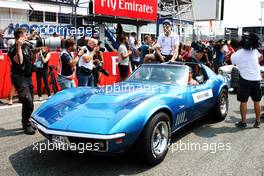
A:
65	83
85	80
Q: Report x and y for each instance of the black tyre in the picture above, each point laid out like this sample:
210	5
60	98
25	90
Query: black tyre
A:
153	144
221	107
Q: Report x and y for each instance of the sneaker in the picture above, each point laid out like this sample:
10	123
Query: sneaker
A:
241	124
29	130
256	125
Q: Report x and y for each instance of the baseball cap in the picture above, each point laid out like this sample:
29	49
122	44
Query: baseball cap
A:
167	22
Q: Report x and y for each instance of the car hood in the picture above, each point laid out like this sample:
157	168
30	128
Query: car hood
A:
91	110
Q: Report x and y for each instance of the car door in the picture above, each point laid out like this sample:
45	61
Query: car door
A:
200	96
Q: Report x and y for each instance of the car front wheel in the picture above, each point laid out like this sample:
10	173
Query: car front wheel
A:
154	142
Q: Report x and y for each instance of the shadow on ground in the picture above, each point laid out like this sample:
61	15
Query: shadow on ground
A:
31	162
10	132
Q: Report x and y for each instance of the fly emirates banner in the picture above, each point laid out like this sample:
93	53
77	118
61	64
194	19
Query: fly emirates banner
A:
136	9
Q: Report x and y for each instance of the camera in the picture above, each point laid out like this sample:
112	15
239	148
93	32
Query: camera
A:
250	41
102	49
98	66
52	43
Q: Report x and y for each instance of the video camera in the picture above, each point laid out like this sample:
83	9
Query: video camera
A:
250	41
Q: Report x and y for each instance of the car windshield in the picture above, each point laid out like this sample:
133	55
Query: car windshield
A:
164	74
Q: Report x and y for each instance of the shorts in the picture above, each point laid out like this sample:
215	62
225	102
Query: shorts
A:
123	69
166	59
248	88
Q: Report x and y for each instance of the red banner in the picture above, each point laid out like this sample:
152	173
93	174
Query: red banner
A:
136	9
110	64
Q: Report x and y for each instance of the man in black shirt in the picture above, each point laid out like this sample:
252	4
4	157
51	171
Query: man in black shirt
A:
68	63
22	66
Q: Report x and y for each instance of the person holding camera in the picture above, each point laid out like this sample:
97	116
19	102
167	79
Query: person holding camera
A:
85	65
22	60
41	64
98	63
67	65
247	61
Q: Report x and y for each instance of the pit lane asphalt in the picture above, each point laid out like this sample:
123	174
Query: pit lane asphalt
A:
243	154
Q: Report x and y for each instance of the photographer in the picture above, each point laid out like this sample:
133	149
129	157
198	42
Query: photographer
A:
42	70
67	65
22	66
98	62
85	64
34	35
246	60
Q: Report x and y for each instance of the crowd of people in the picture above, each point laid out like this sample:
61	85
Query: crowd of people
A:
214	54
246	54
86	66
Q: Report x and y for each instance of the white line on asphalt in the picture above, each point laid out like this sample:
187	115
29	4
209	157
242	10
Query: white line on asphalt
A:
18	105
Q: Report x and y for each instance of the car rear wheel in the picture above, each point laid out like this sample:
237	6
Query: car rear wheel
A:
221	107
154	142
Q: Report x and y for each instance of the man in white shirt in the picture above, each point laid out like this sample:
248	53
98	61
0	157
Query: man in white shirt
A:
168	43
123	58
85	64
246	59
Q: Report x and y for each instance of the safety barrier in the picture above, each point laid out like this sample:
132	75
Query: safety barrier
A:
110	64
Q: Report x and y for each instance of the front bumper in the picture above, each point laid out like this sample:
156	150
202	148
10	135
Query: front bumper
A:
76	134
103	143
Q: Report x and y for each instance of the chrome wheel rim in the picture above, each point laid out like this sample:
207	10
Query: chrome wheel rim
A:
223	104
160	138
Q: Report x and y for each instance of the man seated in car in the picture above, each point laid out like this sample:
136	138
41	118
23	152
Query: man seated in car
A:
191	81
166	77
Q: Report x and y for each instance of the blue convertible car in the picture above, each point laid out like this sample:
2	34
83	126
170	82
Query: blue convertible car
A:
140	113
